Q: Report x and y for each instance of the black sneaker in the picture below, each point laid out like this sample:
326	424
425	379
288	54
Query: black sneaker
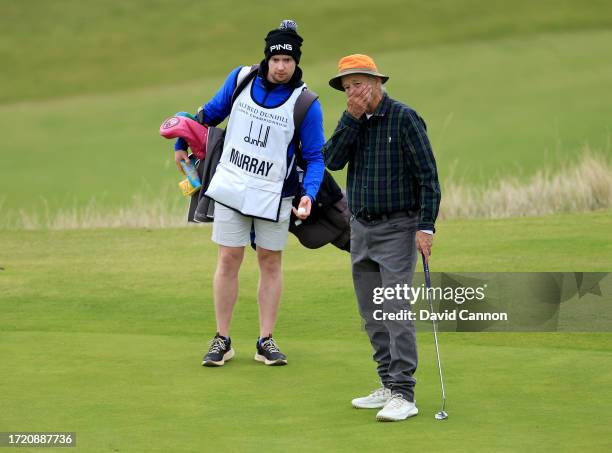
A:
268	352
220	351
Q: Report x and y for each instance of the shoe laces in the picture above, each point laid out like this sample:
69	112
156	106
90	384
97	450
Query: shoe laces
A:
270	346
217	345
379	392
396	401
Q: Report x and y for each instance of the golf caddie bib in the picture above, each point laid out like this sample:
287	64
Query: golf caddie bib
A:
253	166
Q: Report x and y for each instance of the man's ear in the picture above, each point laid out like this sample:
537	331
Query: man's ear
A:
378	83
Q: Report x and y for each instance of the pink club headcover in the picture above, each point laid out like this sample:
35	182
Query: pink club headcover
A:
193	132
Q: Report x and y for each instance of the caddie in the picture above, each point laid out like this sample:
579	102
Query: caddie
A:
255	181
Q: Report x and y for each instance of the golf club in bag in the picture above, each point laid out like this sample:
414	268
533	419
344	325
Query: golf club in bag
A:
442	415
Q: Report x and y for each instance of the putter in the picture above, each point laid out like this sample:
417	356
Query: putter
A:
442	415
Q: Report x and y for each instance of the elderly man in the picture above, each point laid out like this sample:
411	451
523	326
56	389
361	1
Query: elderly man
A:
394	196
255	182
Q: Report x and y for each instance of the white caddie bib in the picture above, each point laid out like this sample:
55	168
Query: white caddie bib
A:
253	167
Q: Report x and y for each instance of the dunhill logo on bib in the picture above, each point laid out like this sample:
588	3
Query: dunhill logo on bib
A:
262	137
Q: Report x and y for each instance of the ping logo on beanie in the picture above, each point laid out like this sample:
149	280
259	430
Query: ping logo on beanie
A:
284	40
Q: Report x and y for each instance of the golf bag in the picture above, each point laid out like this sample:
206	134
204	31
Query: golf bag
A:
328	222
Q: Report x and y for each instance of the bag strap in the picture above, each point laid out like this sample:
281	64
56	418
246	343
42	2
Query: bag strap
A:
302	104
245	75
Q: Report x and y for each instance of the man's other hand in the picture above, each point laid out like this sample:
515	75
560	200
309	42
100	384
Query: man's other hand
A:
180	156
306	204
424	242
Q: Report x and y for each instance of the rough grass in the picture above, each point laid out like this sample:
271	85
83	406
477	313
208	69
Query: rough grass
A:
585	185
142	211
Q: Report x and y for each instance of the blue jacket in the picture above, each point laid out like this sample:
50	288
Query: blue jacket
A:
269	95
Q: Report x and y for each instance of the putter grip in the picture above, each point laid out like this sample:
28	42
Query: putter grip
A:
426	269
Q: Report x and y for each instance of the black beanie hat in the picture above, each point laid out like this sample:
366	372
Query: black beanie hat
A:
284	41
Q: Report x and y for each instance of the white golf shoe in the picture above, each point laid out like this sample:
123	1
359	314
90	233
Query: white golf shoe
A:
398	408
375	400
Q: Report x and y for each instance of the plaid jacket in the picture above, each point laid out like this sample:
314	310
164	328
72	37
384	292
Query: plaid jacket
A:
391	166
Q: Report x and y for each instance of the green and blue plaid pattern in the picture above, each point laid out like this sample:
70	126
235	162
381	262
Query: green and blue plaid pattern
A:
391	166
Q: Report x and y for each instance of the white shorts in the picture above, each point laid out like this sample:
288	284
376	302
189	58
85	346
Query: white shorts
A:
232	229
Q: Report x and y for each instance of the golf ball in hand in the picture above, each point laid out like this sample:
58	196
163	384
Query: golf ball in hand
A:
301	211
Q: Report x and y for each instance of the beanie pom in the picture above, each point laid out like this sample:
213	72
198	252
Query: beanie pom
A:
288	24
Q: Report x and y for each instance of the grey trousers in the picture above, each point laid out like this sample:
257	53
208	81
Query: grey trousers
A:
383	254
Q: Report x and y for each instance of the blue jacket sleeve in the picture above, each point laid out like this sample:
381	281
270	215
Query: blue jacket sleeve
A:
219	107
313	139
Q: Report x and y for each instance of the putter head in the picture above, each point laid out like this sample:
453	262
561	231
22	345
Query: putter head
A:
442	415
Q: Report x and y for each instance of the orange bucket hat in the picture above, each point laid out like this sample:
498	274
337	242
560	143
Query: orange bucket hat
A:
355	64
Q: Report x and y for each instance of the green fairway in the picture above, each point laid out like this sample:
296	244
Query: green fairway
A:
102	333
135	392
